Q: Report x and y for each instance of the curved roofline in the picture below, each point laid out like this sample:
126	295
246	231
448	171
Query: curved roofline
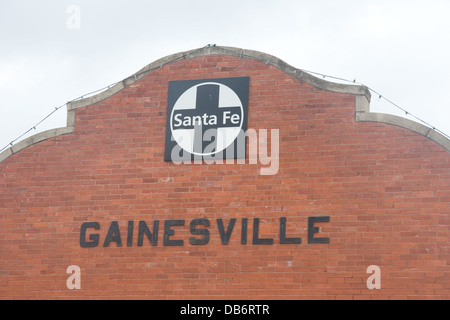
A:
227	51
362	109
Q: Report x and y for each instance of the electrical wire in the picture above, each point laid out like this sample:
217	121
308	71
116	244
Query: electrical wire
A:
135	76
380	96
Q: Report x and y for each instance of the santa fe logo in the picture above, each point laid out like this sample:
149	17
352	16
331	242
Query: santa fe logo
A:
206	118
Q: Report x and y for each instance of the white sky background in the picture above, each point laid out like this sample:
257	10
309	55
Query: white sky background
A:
399	48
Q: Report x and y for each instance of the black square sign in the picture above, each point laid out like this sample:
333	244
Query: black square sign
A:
207	119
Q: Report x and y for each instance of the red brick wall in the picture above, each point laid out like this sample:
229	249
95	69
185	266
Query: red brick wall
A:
385	189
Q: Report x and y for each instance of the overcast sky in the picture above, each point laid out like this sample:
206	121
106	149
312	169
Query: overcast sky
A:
50	54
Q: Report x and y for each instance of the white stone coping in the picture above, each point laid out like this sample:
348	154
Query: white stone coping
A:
362	93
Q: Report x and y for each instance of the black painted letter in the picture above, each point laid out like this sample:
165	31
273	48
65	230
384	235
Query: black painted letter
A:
312	229
113	235
283	239
152	237
168	232
256	239
225	236
94	238
199	232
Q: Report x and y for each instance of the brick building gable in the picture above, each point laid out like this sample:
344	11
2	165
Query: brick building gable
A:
382	182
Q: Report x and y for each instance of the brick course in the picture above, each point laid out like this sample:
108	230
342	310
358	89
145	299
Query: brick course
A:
385	188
